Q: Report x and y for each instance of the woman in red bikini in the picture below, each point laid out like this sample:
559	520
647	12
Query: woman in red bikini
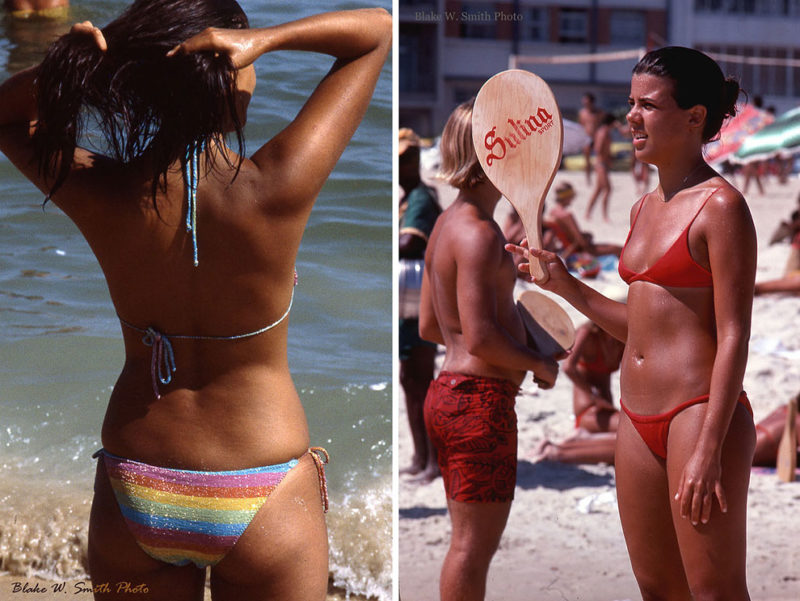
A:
685	441
594	357
206	458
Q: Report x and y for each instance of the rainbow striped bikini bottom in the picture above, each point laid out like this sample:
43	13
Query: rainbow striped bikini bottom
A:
186	516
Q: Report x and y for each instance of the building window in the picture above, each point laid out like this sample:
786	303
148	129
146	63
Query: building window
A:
573	26
417	58
750	7
707	6
533	26
477	20
628	27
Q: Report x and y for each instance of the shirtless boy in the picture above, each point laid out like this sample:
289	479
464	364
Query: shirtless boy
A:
467	305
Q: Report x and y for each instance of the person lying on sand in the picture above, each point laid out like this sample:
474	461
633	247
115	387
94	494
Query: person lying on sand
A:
585	447
789	284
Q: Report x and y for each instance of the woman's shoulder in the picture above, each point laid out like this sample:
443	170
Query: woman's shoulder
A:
724	198
725	210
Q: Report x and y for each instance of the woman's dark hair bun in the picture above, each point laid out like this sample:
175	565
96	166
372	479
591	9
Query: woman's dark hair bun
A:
697	80
730	94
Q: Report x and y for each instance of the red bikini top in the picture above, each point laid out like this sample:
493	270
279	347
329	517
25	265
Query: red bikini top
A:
676	268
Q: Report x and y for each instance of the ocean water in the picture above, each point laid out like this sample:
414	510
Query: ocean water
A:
61	351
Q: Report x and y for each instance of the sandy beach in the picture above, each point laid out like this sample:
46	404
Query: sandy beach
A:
564	541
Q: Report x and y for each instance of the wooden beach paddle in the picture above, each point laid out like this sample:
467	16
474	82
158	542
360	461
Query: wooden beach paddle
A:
550	329
787	449
518	137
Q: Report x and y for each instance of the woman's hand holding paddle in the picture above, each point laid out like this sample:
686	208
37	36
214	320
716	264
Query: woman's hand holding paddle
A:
556	274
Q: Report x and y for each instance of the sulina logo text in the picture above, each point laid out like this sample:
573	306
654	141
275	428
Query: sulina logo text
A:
499	146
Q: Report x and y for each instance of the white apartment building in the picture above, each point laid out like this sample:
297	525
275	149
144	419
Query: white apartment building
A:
448	48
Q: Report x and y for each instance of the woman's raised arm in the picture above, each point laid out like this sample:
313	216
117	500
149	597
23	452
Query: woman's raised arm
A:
17	99
298	160
18	115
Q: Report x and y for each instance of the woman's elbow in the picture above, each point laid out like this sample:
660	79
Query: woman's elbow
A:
383	18
380	23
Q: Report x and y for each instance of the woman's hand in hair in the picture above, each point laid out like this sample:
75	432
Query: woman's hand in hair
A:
86	28
238	44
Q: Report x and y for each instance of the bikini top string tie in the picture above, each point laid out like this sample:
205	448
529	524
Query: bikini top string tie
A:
162	360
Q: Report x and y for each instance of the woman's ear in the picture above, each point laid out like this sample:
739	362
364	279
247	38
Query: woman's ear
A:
697	115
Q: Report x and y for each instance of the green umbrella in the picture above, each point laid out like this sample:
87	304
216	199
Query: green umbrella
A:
779	138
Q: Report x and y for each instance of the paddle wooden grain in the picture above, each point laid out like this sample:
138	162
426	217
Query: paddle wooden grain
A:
549	327
518	137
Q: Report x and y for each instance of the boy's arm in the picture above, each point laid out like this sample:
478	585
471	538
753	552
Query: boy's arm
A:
478	263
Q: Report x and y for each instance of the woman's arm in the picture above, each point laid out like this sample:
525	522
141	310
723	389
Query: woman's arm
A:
610	315
18	115
17	118
17	99
298	160
731	240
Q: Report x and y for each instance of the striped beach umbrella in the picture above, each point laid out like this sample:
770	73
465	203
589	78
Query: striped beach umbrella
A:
747	121
779	138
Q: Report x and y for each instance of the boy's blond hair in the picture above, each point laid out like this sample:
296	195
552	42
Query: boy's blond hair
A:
460	166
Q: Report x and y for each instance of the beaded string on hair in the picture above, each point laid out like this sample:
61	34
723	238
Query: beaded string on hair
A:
191	172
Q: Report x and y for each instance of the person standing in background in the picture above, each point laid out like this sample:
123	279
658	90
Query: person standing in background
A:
589	117
419	209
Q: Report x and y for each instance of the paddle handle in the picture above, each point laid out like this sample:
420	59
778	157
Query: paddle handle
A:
537	267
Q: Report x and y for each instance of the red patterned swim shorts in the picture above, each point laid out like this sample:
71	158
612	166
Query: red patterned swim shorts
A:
472	422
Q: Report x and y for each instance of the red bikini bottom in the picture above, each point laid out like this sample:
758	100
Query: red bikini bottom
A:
654	428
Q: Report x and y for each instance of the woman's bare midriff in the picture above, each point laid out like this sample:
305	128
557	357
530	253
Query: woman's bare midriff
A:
670	348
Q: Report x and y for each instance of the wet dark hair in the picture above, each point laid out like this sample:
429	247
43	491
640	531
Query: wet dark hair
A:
697	80
140	99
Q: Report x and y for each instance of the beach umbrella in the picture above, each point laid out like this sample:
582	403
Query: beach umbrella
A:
779	138
747	121
575	137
